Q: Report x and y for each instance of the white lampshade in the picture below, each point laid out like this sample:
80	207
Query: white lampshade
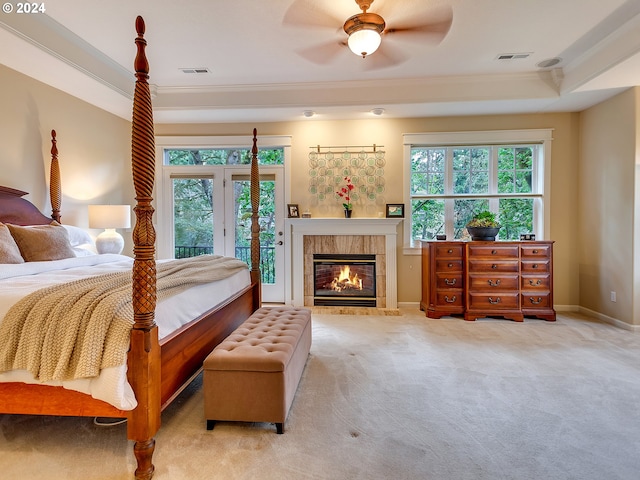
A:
364	42
109	217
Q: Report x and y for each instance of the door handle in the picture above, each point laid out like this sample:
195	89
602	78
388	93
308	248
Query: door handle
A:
280	243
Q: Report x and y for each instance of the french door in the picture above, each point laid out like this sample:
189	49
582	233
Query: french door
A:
211	214
271	219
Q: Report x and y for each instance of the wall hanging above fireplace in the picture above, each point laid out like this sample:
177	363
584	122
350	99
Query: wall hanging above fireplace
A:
328	166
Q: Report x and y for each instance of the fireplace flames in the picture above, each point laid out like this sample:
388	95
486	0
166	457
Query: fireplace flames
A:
346	281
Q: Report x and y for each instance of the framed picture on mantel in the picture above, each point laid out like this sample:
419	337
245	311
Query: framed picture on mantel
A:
294	211
395	210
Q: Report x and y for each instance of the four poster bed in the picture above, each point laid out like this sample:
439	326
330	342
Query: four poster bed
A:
158	365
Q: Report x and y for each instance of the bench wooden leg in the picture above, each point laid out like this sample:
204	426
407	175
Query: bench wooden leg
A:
211	424
280	428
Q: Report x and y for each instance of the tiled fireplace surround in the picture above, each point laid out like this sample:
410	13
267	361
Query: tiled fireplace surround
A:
375	236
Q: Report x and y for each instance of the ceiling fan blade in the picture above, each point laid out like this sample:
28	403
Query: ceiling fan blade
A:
433	28
323	53
307	13
385	56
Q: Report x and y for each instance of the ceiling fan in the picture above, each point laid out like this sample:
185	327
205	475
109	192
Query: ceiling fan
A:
368	32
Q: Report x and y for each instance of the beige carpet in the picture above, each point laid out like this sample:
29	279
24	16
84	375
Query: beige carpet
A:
393	397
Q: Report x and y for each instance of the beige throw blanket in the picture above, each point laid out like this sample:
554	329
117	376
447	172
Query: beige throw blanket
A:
73	330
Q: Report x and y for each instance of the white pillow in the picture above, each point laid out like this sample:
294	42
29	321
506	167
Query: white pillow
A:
78	236
84	251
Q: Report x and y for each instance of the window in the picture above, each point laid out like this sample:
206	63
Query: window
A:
193	197
452	176
204	206
222	156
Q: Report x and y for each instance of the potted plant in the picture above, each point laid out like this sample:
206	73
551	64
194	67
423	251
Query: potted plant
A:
345	195
483	226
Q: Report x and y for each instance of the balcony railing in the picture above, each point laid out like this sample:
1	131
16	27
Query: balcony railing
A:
267	258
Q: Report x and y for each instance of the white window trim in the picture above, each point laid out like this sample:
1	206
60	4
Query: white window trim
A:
543	136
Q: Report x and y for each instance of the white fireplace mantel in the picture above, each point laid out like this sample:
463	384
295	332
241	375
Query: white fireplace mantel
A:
298	228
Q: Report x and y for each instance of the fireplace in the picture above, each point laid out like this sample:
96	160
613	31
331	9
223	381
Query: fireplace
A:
344	280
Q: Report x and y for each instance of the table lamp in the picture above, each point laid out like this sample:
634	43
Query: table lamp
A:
109	217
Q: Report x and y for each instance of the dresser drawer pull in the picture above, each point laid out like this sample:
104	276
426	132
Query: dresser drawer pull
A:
493	252
493	302
494	284
452	300
450	250
535	302
450	282
535	251
535	265
535	284
494	266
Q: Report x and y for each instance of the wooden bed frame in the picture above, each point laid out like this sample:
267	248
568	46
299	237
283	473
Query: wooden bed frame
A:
157	370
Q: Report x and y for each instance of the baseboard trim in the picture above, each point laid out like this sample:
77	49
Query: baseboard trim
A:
610	320
409	305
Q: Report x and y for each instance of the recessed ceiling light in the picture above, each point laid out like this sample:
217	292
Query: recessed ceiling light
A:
377	111
308	113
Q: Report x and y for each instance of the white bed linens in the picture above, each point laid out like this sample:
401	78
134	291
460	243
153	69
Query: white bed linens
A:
18	280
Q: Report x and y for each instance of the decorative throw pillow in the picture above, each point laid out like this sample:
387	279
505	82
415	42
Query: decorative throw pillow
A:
9	251
42	243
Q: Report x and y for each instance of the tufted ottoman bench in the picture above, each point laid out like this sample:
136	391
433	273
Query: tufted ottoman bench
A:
252	376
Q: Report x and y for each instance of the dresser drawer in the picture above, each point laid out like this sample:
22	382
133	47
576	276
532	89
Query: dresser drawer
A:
494	302
533	300
493	266
449	280
487	283
534	266
448	265
494	250
536	282
448	251
536	250
450	299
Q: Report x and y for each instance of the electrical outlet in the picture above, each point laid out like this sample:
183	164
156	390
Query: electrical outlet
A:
613	296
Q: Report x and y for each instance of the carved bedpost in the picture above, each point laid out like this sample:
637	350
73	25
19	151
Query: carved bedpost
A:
255	224
54	180
144	421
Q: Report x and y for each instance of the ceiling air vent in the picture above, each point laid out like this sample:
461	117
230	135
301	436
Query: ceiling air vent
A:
194	70
513	56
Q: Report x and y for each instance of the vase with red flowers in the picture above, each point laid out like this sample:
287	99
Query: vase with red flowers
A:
345	195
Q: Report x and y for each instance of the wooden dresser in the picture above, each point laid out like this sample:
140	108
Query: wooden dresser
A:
486	279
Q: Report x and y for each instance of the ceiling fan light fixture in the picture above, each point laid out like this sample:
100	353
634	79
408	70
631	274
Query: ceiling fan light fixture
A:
364	42
364	30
